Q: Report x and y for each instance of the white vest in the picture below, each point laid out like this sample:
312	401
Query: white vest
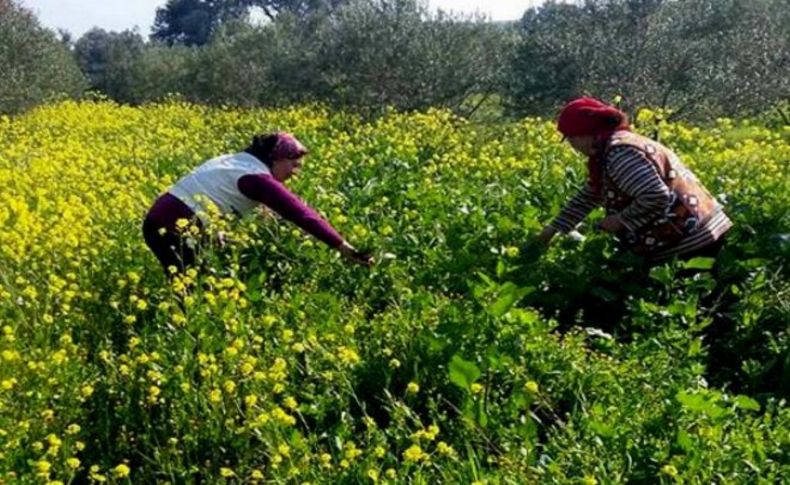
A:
217	179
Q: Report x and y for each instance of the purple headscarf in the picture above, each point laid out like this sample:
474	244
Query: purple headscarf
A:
287	147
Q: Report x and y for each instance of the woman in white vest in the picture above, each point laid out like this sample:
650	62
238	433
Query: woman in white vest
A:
237	183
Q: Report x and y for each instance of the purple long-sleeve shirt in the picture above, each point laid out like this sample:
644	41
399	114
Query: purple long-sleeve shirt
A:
264	189
272	193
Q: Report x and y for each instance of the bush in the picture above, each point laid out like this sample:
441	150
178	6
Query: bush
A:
698	58
108	60
378	54
37	67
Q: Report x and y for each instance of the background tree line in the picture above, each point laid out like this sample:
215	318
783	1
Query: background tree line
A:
701	58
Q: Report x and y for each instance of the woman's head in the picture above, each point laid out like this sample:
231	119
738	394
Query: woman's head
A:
585	120
281	152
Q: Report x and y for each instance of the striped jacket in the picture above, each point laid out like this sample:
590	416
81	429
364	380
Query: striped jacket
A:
664	209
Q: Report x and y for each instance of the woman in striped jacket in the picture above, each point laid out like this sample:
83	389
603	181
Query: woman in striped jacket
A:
237	183
654	204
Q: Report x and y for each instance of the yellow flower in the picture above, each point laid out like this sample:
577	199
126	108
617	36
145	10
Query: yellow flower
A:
351	451
54	441
10	355
283	417
433	430
43	467
298	347
532	387
445	449
476	388
413	388
347	355
669	470
230	387
59	357
95	475
262	419
256	475
73	463
414	454
121	471
268	320
87	390
226	472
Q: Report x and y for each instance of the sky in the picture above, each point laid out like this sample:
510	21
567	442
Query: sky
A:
79	16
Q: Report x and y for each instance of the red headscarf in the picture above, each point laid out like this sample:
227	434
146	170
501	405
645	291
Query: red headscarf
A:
589	116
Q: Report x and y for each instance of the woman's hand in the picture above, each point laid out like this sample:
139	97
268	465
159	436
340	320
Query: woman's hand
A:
350	253
612	224
536	246
546	235
222	240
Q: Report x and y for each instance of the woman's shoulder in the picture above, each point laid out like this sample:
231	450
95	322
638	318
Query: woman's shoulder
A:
622	160
617	154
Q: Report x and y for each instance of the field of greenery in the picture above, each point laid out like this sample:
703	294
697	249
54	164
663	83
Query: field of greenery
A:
464	356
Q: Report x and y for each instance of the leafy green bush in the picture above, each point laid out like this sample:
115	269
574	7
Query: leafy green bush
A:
37	67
